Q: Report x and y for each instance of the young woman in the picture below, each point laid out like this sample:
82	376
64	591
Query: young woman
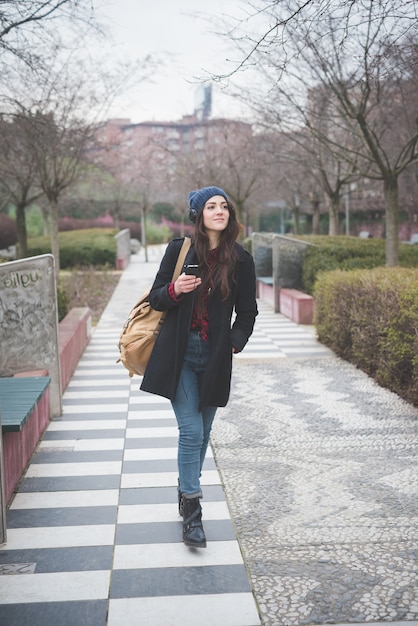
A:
192	359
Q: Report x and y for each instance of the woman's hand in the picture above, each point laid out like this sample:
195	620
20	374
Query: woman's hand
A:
186	283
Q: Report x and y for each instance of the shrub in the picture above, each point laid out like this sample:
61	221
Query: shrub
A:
347	253
83	248
370	318
72	223
134	227
157	233
34	221
62	303
177	229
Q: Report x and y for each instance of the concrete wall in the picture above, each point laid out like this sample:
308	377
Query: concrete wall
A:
123	248
74	335
263	253
281	258
29	321
288	256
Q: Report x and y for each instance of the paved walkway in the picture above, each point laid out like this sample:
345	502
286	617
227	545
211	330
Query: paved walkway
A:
319	523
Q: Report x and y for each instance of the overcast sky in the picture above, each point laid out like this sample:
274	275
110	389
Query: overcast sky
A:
184	30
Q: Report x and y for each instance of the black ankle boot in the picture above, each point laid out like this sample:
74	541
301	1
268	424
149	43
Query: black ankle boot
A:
180	499
193	533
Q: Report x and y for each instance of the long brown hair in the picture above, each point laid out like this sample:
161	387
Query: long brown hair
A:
217	275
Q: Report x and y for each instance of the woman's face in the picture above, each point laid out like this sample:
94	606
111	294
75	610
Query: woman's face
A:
215	215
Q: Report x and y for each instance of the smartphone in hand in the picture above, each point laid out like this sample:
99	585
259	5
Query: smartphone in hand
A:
192	270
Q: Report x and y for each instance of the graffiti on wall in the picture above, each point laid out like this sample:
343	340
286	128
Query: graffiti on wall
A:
28	317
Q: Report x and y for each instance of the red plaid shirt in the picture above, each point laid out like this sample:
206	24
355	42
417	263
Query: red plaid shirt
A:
199	322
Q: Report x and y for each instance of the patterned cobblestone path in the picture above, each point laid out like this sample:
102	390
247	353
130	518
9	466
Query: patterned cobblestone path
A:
319	465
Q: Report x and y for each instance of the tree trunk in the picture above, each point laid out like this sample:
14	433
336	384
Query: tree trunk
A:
241	216
296	220
55	248
315	217
116	216
392	219
22	238
46	219
245	218
183	216
144	233
333	206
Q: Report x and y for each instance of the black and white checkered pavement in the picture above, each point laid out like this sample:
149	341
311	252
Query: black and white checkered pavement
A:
94	535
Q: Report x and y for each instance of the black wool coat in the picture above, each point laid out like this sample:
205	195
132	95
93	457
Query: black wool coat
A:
163	370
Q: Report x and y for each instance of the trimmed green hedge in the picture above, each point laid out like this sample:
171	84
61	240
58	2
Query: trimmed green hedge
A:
80	248
370	318
348	253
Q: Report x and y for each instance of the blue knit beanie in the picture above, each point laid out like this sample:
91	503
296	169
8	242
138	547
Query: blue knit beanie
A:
196	200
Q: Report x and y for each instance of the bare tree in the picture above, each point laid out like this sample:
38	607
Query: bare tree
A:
289	177
317	164
267	25
18	172
361	58
133	169
231	160
239	166
25	27
57	151
61	113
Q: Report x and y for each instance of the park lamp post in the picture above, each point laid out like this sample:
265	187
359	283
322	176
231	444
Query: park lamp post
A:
347	196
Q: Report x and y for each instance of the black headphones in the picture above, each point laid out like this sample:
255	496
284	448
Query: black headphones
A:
193	215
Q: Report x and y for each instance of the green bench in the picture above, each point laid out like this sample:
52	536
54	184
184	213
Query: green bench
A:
18	398
25	409
24	415
267	280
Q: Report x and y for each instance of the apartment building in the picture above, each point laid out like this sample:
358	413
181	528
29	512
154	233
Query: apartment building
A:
160	149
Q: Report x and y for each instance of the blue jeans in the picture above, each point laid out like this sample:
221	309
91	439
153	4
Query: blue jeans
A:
194	425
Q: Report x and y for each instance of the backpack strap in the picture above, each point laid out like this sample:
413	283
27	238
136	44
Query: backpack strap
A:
181	258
